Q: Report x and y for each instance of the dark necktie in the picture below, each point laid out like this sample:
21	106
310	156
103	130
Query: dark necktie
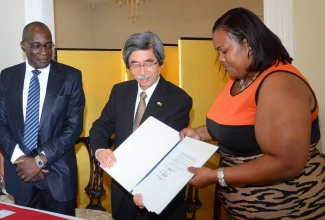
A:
32	112
140	110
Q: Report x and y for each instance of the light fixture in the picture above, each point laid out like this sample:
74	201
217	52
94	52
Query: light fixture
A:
133	8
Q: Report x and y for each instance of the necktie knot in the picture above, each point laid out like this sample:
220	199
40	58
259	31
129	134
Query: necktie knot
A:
36	72
143	95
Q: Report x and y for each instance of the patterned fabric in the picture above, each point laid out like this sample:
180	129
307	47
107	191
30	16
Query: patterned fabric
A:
6	198
300	198
140	110
32	112
90	214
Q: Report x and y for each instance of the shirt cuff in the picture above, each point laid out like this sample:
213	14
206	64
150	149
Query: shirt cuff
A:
16	154
98	151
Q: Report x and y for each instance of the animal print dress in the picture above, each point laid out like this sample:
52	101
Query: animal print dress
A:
231	121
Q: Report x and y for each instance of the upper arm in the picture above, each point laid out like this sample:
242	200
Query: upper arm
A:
283	119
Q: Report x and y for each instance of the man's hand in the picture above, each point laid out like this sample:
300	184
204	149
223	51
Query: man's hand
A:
138	200
27	169
39	176
105	157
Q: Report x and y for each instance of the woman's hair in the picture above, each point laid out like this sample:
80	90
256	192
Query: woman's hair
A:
144	41
266	47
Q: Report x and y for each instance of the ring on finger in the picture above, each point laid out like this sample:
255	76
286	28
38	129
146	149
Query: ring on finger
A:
23	176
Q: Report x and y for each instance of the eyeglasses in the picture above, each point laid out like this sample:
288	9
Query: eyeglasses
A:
146	65
38	47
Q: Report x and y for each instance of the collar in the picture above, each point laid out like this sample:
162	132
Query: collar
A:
148	91
29	69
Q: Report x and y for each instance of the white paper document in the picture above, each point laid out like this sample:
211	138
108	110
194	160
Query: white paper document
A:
153	161
4	213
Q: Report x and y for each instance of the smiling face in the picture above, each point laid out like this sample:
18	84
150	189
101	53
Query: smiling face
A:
146	69
38	35
235	57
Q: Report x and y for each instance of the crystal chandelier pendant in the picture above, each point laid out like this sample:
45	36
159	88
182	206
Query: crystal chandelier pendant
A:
133	8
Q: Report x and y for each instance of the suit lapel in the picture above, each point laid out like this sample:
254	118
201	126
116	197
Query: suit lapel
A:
156	101
53	87
18	78
130	105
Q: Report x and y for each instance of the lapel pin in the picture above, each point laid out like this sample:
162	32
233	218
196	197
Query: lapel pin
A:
159	103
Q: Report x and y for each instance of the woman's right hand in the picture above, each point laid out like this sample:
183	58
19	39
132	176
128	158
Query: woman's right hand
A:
190	132
200	133
105	157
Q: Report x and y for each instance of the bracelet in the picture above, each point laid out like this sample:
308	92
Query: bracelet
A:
221	177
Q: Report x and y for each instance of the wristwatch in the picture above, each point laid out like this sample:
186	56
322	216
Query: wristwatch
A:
39	161
221	177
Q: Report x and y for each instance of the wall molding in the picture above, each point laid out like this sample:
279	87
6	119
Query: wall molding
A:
40	10
279	17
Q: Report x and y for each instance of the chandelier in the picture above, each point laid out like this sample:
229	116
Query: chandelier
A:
133	8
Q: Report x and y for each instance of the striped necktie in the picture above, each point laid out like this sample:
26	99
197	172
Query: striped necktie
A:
140	110
32	112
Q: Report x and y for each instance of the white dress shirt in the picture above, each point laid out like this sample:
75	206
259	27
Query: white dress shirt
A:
149	93
43	79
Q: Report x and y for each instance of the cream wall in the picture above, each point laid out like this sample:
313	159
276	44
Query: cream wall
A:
309	50
110	26
74	21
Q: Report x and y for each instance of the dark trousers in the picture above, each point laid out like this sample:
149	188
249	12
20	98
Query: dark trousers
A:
42	198
129	211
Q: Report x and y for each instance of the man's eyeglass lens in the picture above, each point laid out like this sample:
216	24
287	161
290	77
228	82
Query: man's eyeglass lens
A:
146	65
38	47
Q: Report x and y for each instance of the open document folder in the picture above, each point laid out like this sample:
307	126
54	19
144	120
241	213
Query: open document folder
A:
153	161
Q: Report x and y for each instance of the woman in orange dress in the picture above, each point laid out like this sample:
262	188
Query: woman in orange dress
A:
266	123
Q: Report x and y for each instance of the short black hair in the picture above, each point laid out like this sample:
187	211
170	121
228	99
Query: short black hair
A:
30	25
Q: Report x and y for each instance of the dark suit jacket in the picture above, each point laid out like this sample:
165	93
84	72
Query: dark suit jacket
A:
60	126
117	118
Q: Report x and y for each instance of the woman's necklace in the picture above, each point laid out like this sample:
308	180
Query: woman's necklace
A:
241	83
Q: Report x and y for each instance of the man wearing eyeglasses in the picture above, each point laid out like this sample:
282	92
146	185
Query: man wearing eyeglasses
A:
41	117
143	54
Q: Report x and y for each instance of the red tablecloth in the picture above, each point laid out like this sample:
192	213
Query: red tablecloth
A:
27	214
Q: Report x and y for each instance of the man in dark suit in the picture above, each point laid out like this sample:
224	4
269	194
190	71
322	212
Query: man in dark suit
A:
43	176
143	54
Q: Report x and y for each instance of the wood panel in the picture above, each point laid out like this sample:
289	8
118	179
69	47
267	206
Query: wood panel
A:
203	78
